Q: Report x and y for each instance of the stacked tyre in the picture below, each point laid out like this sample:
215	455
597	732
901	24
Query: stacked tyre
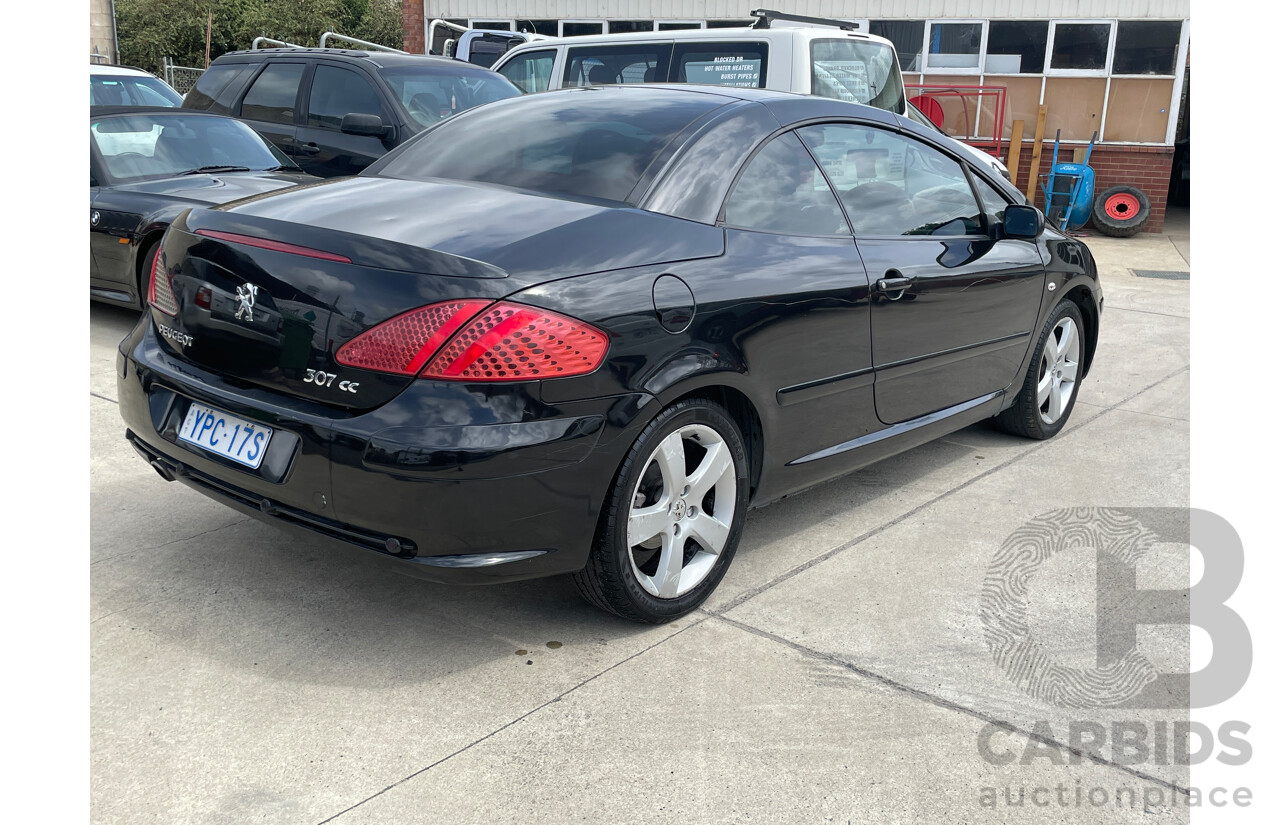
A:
1121	211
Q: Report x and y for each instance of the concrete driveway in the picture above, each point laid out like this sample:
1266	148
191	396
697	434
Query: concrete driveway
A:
839	674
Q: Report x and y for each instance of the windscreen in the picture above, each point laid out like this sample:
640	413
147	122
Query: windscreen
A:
138	147
431	95
590	143
859	71
127	90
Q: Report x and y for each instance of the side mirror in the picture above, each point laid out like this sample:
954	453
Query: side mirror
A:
363	125
1023	222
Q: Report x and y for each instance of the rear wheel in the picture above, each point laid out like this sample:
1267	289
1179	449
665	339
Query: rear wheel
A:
1048	393
673	517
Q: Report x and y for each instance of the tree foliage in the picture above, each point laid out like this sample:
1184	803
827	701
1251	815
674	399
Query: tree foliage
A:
151	30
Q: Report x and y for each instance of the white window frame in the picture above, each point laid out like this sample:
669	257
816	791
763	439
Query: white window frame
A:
926	69
604	25
1105	71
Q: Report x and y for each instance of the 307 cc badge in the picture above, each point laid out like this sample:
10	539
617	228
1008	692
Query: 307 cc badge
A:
325	379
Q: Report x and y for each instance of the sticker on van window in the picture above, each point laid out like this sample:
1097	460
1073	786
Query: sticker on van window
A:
727	70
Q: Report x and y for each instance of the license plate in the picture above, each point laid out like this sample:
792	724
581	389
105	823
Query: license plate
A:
226	435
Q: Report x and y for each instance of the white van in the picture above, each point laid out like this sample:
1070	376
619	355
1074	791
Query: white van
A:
784	52
789	53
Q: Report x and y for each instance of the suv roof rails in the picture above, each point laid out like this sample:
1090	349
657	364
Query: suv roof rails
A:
765	17
271	41
368	46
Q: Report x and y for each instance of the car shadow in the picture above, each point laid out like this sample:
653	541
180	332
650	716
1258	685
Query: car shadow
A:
257	596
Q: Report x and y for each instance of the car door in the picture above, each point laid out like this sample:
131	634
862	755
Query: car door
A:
322	147
271	104
111	226
789	251
953	304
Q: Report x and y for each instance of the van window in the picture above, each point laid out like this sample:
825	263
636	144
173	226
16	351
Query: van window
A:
632	63
860	71
722	64
530	71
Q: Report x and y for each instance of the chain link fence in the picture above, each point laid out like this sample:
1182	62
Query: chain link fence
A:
181	78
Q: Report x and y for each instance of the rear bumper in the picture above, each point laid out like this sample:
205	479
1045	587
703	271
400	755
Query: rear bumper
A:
453	482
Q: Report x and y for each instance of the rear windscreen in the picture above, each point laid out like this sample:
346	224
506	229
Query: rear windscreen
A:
592	143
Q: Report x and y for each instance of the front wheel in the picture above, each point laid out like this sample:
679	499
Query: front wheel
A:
673	517
1048	393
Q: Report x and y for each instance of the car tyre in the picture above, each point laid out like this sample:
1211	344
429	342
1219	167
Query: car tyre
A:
1052	383
672	518
1121	211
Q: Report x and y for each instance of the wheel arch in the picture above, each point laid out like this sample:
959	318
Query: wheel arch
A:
743	412
148	238
1082	296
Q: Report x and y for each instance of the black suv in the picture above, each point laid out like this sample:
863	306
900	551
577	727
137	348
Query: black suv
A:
335	111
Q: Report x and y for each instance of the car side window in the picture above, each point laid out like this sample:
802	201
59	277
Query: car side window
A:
721	64
274	93
531	71
337	92
891	184
602	65
993	203
215	91
782	190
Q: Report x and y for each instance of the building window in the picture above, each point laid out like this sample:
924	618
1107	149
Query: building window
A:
1080	46
677	25
577	28
496	25
907	37
954	45
630	26
1016	46
730	24
1146	46
550	28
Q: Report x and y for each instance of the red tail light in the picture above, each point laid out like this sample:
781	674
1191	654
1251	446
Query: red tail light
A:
505	342
403	344
512	342
160	289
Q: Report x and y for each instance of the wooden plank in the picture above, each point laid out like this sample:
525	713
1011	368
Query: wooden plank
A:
1015	150
1077	154
1033	174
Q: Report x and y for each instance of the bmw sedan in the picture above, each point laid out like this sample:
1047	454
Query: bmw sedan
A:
589	344
146	166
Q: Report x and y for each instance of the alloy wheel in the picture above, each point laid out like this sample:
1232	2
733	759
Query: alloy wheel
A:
681	511
1059	366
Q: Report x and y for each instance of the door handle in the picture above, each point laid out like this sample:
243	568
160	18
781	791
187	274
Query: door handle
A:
894	284
307	149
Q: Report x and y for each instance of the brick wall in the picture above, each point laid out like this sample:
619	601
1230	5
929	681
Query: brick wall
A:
413	26
1146	167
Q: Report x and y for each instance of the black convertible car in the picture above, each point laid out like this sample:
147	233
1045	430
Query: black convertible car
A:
146	165
589	344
